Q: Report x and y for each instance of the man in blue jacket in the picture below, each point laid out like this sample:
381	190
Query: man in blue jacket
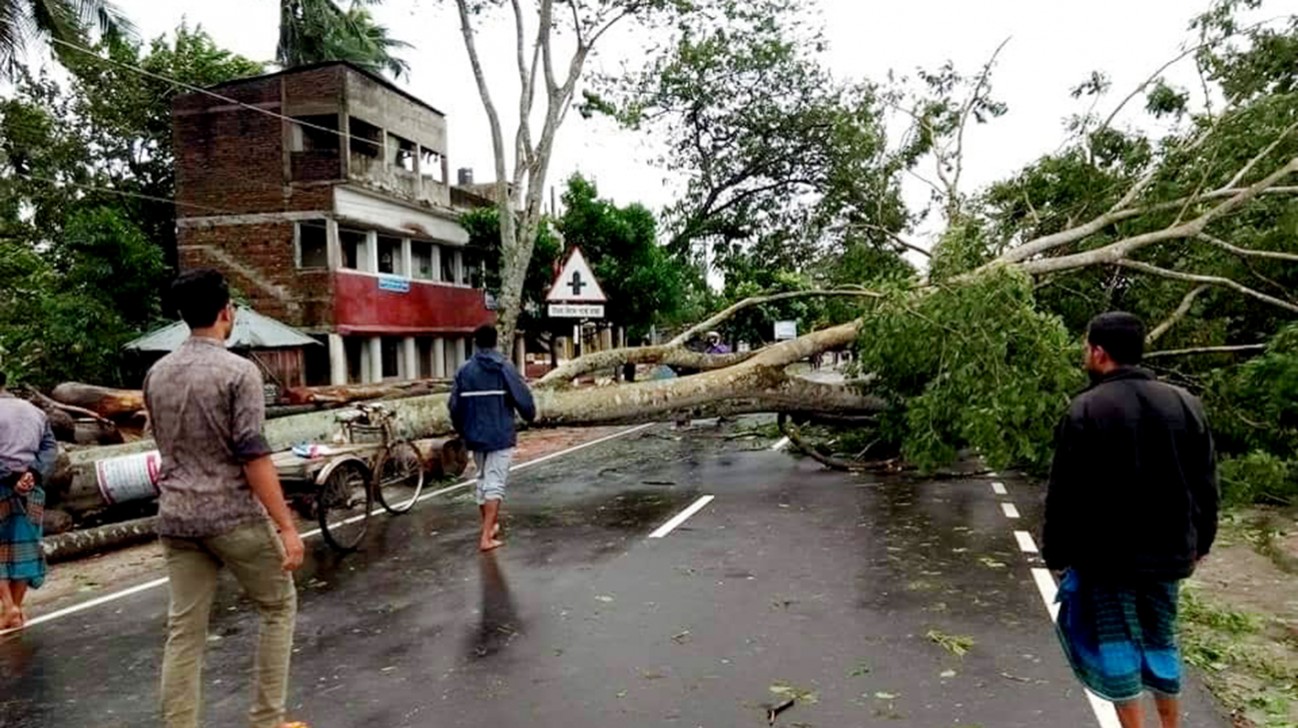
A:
486	394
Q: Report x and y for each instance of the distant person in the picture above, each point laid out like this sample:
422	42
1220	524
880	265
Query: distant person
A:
715	344
486	394
218	487
1130	511
27	456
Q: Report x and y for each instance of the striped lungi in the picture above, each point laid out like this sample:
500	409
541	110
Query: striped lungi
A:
1120	638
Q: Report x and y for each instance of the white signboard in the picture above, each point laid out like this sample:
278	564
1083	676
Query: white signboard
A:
575	283
576	310
130	477
785	330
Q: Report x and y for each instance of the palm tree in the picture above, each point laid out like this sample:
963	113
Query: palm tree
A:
58	21
312	31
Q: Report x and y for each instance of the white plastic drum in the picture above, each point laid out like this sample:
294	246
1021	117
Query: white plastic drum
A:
130	477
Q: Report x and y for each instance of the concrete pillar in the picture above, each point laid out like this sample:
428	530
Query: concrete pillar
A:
437	263
461	352
337	360
605	339
621	337
410	348
334	252
457	263
375	352
371	254
439	359
407	264
520	354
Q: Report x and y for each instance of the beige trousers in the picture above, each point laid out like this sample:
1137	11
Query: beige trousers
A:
254	555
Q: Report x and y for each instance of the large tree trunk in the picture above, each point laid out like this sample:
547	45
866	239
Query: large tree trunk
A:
113	404
758	384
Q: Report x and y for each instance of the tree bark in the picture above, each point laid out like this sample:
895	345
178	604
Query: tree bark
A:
112	404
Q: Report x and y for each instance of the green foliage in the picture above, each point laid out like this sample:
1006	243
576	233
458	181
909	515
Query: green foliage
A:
86	218
645	285
975	365
23	22
1258	477
1255	404
962	248
314	31
483	226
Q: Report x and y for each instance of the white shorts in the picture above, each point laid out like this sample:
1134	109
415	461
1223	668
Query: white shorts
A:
493	469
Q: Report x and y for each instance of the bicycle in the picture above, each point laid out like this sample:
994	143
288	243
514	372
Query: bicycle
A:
348	488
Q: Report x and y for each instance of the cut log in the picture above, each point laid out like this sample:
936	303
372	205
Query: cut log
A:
347	393
758	384
73	544
106	402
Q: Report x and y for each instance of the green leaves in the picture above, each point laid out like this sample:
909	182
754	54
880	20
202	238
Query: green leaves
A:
971	365
313	31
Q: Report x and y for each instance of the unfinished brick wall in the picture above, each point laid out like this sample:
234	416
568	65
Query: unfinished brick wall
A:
259	261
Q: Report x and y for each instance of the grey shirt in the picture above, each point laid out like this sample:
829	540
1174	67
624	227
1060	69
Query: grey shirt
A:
207	407
26	442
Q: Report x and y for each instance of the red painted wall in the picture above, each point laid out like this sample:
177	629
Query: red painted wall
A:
427	308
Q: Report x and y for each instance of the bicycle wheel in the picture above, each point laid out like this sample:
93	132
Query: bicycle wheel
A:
343	507
399	477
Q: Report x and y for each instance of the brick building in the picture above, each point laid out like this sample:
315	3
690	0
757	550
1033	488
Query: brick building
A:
336	220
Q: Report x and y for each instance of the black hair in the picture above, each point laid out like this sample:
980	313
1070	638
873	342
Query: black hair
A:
486	337
200	295
1120	334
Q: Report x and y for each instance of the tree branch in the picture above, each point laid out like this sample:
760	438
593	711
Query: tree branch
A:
1119	250
711	323
1176	316
1247	252
1241	349
1207	280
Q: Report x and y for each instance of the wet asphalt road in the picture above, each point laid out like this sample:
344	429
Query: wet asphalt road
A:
822	585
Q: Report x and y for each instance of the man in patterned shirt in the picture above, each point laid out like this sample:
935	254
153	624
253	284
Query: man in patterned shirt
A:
220	504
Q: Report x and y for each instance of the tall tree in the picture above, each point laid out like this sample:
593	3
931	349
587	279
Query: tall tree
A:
63	21
87	222
552	47
313	31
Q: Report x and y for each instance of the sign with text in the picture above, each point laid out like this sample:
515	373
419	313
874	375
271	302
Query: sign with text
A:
129	477
786	330
394	284
575	282
576	310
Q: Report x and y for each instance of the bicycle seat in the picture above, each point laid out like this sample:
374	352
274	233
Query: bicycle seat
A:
350	416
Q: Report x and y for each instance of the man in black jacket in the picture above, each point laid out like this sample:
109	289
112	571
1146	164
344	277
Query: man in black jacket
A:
1131	509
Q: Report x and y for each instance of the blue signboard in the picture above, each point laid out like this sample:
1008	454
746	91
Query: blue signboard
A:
393	284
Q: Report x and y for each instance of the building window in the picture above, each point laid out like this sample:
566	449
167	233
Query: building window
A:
401	153
312	244
390	256
425	344
448	266
354	244
432	165
366	139
421	260
315	133
354	348
391	354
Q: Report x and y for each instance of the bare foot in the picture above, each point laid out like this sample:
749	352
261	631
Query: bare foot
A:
491	545
495	530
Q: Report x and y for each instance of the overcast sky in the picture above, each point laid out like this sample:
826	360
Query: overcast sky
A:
1054	46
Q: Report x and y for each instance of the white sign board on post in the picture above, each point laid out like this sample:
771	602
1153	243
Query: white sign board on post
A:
786	330
575	282
576	310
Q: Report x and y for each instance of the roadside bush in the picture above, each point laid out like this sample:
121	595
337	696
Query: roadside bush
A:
1258	477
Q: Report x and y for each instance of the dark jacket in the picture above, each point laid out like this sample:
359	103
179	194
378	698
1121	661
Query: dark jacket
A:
1133	488
486	394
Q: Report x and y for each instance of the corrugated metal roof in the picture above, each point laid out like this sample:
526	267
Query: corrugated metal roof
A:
251	331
